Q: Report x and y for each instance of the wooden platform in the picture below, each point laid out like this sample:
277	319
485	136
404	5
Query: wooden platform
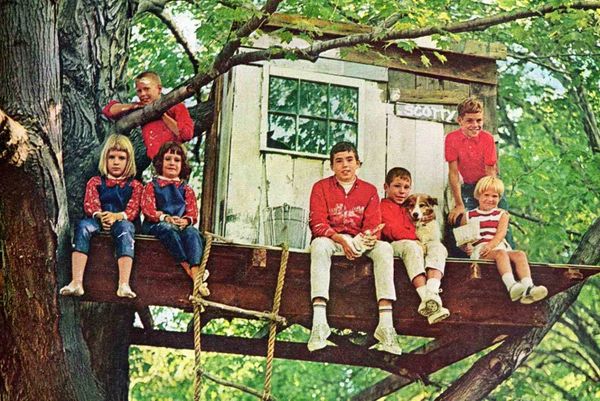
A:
245	276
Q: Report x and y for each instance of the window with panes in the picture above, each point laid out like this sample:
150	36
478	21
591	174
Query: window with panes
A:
309	117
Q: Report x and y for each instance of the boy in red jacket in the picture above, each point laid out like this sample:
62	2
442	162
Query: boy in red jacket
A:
345	217
175	125
425	269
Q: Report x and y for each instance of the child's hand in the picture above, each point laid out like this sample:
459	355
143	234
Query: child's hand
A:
467	248
349	249
485	250
178	221
108	219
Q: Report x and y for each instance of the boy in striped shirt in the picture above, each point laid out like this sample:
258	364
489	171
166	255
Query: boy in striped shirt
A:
493	225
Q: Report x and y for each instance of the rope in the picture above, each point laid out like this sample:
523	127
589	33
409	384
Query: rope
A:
197	314
285	252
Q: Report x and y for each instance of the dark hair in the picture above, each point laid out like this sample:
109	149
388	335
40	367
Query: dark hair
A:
343	147
178	149
397	172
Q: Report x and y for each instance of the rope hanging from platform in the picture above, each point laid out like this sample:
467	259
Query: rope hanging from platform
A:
285	253
197	315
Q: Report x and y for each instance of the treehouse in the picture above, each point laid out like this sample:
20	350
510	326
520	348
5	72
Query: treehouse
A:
274	124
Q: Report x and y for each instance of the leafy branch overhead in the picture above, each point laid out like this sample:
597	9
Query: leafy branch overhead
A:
227	57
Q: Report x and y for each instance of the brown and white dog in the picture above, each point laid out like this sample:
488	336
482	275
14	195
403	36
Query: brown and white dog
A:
421	210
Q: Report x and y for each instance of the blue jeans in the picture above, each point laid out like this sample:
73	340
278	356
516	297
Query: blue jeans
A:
122	233
468	197
184	245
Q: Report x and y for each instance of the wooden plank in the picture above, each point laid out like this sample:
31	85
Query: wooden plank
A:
211	163
462	68
488	94
402	142
474	304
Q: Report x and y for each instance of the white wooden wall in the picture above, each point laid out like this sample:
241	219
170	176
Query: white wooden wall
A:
250	181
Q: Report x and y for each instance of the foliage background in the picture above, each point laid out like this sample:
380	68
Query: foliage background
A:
548	85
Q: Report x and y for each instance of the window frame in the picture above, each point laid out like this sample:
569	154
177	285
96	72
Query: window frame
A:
269	70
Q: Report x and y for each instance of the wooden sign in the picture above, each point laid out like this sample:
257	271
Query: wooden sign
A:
428	112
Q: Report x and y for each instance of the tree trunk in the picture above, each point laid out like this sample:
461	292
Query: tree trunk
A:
94	38
41	357
491	370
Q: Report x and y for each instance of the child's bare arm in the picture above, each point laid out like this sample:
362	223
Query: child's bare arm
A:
171	124
454	180
119	108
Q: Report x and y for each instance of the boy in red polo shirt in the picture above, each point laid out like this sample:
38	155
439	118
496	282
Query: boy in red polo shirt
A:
175	125
425	267
471	154
345	218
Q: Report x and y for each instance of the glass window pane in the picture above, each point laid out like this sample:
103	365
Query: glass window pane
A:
343	132
343	103
313	99
312	135
283	94
282	132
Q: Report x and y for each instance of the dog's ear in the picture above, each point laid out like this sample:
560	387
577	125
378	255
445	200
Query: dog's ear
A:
433	201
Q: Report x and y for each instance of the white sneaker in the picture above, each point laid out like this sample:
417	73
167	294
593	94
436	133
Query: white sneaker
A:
533	294
72	289
430	304
516	291
438	316
204	291
318	337
124	291
388	340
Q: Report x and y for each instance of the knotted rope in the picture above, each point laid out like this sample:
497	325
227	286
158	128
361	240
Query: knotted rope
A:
285	252
197	314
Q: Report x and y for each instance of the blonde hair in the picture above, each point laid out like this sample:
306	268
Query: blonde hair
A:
470	105
489	182
122	143
149	75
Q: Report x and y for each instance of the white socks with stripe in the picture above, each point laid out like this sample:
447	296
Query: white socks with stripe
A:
433	285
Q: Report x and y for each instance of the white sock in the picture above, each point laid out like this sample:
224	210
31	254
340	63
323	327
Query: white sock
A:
508	279
433	284
422	291
527	282
385	317
320	314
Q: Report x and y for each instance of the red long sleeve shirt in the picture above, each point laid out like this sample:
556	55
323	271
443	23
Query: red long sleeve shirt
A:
91	201
156	132
333	211
149	202
398	224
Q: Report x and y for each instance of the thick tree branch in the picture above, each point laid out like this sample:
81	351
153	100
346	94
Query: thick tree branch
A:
226	60
538	220
220	65
14	141
499	364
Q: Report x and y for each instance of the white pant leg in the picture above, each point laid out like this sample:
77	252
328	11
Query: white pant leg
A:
382	256
321	250
412	256
435	256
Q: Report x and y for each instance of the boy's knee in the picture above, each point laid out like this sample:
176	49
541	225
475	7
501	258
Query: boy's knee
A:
383	249
321	245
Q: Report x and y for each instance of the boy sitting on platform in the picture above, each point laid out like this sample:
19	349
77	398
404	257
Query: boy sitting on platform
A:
493	224
345	218
424	270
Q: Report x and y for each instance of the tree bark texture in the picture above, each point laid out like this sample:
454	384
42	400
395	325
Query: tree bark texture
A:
94	38
491	370
42	357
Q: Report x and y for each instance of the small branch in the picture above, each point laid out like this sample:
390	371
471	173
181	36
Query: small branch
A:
247	312
538	220
167	18
241	387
